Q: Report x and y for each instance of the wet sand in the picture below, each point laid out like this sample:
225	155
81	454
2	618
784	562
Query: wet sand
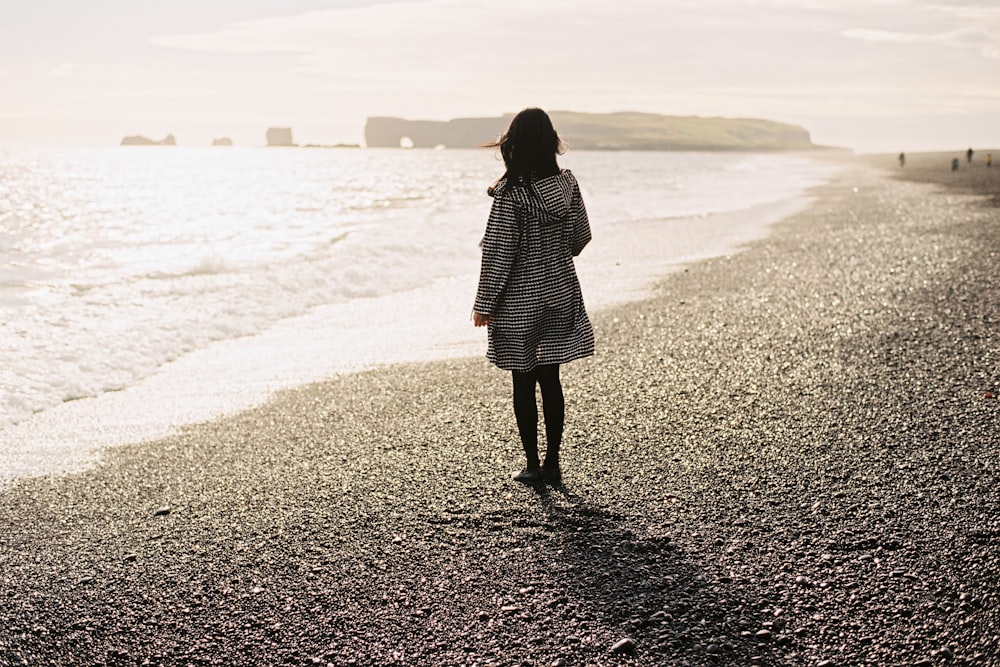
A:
786	456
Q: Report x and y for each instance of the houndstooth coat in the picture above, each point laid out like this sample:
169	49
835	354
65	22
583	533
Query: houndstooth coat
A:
527	281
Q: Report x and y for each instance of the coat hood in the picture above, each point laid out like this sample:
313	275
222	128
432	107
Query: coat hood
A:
548	199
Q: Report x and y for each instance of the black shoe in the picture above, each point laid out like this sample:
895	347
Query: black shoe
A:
529	476
552	475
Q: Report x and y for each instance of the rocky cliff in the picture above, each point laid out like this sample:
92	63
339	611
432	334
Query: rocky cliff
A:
614	131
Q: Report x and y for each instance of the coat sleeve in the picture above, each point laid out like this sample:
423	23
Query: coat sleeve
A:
500	246
581	224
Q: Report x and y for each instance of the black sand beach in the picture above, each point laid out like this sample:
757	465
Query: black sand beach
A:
785	457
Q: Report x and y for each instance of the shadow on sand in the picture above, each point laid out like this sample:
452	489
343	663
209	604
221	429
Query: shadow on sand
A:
632	593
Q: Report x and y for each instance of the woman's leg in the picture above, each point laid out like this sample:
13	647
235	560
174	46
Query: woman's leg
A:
554	409
526	414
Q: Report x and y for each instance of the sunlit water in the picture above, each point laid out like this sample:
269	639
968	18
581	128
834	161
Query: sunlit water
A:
146	288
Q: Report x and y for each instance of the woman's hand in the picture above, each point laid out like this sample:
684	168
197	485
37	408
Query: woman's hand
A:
480	320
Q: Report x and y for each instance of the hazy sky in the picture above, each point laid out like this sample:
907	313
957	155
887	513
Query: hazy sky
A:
867	74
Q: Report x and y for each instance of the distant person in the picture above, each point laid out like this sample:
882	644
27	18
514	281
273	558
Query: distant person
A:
989	159
968	155
902	159
528	295
954	164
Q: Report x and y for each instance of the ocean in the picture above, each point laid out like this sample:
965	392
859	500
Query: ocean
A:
143	289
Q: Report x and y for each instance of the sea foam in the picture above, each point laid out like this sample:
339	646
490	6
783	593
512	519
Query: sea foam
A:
174	286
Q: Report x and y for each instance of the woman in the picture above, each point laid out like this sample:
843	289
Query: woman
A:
529	295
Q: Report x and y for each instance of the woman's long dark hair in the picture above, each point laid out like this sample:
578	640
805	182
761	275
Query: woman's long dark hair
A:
529	148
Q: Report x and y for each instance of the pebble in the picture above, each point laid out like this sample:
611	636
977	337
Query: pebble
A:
626	645
162	511
763	635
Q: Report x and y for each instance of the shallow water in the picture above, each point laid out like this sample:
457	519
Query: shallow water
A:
145	288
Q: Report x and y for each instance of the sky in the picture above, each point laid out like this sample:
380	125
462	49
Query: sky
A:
870	75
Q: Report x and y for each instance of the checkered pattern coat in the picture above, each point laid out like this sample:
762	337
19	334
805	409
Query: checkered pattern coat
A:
527	281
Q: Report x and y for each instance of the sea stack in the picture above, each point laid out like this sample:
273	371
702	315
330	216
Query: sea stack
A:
279	136
224	141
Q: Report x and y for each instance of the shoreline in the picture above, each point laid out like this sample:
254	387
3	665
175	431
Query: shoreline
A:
228	377
784	456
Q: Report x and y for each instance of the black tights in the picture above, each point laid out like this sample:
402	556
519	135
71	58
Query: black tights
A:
526	412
